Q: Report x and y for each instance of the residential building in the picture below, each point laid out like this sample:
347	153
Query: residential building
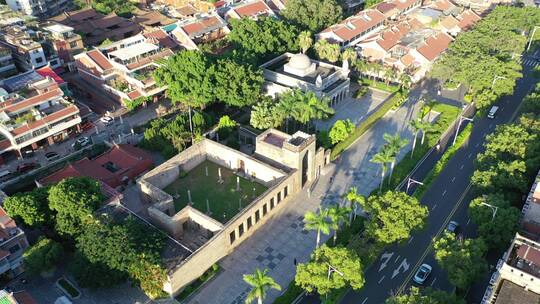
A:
444	6
282	165
40	8
123	69
96	28
298	71
461	22
150	20
7	63
481	6
13	242
392	9
65	42
34	112
193	32
353	29
249	9
116	167
201	6
27	53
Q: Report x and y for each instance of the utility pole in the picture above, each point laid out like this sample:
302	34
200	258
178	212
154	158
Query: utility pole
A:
461	119
531	38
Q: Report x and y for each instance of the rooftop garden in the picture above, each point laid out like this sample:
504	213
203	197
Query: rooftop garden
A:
224	198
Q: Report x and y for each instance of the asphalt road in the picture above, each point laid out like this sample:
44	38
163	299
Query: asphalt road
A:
447	199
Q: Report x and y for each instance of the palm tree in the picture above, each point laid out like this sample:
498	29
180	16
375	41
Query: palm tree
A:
312	107
337	215
416	126
305	41
361	66
383	157
405	80
355	200
318	221
288	105
333	52
376	68
349	54
426	127
395	143
260	283
321	48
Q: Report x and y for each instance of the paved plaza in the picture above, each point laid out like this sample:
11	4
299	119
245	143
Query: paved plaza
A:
283	239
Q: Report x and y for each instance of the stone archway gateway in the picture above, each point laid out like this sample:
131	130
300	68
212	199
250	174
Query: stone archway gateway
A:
305	167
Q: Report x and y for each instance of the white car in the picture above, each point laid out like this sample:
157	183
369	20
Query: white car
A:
81	142
422	274
106	120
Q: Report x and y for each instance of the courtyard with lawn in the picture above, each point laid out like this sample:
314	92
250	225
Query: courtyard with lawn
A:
221	198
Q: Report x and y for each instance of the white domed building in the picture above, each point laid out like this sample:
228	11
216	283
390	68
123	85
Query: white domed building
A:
298	71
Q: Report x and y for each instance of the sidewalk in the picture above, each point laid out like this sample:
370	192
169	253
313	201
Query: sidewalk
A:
282	239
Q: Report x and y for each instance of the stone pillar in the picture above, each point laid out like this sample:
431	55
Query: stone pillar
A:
50	140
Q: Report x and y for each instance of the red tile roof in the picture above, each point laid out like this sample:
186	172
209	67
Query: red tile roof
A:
160	37
355	25
404	4
253	9
46	71
385	7
467	19
441	5
5	145
34	100
391	37
70	110
99	59
134	94
202	26
434	46
528	253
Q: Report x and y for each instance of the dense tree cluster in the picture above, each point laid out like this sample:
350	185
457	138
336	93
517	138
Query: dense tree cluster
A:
121	8
312	15
478	59
341	130
426	296
108	251
292	105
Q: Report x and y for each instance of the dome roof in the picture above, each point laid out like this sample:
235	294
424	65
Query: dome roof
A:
300	61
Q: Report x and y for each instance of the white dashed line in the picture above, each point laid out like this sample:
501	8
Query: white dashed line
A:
365	300
468	221
470	154
433	282
461	168
410	239
381	279
477	144
453	179
397	258
434	206
444	192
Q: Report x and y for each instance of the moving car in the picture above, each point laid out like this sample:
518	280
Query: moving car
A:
107	120
52	156
453	227
422	274
492	112
81	142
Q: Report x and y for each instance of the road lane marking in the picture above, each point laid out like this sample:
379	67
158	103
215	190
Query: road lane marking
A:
410	239
468	221
477	144
444	192
386	256
403	265
434	206
461	168
443	226
470	154
453	179
381	280
365	300
433	282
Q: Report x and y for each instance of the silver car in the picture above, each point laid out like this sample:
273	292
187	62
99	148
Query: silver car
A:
422	274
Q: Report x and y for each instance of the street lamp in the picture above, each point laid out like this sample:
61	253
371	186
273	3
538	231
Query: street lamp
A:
531	38
333	269
495	79
411	182
461	119
493	208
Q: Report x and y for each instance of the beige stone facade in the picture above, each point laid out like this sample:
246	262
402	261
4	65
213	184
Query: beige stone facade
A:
284	163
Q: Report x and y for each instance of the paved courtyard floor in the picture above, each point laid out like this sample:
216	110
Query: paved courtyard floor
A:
283	239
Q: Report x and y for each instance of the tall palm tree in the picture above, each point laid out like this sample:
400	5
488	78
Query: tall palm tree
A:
305	41
383	157
361	66
337	215
318	221
416	126
426	127
395	143
355	200
349	54
389	74
405	80
312	107
321	48
376	68
333	52
288	105
260	282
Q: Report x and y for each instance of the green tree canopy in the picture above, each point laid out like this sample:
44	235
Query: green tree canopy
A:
462	259
265	36
394	216
313	276
94	275
266	114
121	8
498	230
427	296
42	256
188	76
237	84
74	200
260	282
312	15
31	207
341	130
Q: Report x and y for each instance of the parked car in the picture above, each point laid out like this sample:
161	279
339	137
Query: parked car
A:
81	142
422	273
51	156
25	167
453	227
107	120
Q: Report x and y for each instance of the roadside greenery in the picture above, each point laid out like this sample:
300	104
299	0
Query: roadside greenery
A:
341	130
478	59
425	296
30	207
312	15
42	256
260	282
193	287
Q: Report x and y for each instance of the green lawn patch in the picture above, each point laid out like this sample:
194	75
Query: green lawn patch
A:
378	85
193	287
223	199
69	288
